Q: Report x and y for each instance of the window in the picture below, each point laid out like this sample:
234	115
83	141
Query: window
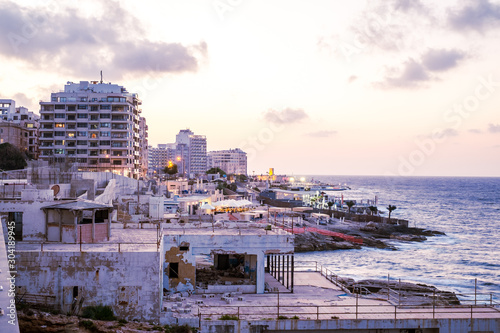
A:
117	162
93	153
173	270
59	151
71	144
81	142
104	151
83	99
60	106
105	115
59	125
58	133
71	134
71	108
94	117
59	142
105	143
94	107
82	106
105	134
93	144
63	99
82	116
71	117
105	107
104	160
81	151
84	125
54	99
107	125
47	135
81	160
81	134
94	126
59	115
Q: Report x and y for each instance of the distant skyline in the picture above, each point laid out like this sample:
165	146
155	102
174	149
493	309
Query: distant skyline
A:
400	87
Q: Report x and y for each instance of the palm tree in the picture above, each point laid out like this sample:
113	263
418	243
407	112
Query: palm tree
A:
373	209
330	204
350	204
390	208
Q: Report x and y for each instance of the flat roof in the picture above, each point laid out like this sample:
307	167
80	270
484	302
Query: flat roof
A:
78	205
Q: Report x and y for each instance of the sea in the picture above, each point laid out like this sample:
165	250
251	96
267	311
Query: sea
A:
466	260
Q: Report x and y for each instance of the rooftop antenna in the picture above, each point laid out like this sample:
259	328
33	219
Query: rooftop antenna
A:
101	76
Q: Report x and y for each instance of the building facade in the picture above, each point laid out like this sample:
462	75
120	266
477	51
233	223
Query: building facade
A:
19	127
97	126
232	161
189	153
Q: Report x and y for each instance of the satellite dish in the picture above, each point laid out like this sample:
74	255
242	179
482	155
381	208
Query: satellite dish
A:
56	189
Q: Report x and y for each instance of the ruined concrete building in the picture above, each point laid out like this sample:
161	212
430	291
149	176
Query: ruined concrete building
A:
101	239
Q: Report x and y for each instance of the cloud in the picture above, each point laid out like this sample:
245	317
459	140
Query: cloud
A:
322	134
475	131
478	15
449	132
414	72
286	116
352	78
492	128
23	100
410	5
411	75
441	60
63	38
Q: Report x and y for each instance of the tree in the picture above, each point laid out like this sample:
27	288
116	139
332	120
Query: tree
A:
390	208
373	209
170	169
11	158
330	204
350	204
216	170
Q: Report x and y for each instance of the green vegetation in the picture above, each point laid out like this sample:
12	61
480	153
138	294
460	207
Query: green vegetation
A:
282	317
98	312
88	324
373	210
295	317
256	189
268	227
228	317
11	158
216	170
330	204
390	208
350	204
171	169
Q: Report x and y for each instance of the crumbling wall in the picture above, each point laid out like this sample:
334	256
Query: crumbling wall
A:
185	278
127	281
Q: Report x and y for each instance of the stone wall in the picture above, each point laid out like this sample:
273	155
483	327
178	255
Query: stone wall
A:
129	282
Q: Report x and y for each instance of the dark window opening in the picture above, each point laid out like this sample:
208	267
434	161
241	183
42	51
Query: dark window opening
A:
75	291
184	248
173	270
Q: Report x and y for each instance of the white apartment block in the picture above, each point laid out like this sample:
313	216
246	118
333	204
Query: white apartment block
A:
158	158
232	161
97	126
19	127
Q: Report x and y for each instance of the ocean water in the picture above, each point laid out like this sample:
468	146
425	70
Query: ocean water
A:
466	209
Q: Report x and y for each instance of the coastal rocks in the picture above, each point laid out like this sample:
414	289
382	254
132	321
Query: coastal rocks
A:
409	238
309	241
403	293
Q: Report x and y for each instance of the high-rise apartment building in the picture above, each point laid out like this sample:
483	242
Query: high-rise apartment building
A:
97	126
232	161
19	127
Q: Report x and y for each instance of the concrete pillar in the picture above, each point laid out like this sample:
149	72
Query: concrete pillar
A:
261	277
93	225
60	224
46	224
109	223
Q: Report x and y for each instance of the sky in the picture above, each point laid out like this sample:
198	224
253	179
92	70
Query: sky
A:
396	87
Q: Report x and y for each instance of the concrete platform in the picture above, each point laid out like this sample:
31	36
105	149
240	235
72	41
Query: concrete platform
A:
315	298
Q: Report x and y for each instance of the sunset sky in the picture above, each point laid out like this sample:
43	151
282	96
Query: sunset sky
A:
403	87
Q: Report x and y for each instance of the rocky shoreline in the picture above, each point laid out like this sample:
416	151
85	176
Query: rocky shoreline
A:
373	235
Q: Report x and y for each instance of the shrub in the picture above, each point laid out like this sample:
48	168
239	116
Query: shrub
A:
178	329
88	324
282	317
268	227
98	312
228	317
